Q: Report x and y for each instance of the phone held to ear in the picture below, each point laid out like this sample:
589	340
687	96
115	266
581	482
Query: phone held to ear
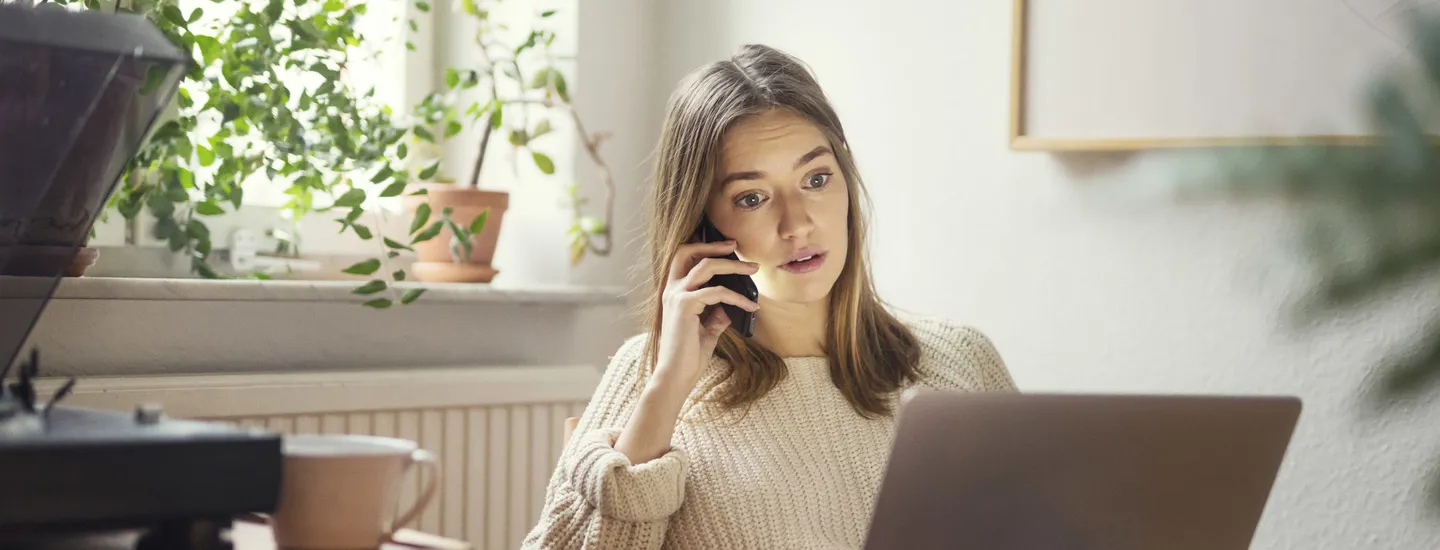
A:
741	320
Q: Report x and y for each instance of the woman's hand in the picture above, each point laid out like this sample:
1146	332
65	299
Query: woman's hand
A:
690	327
691	319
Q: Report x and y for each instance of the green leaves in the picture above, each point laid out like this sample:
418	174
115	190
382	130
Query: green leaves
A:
363	268
497	114
353	197
428	233
422	217
208	208
429	171
548	76
173	15
460	243
206	156
398	245
542	128
340	134
478	225
273	9
394	189
543	162
1369	215
362	231
375	285
384	173
518	138
209	48
324	138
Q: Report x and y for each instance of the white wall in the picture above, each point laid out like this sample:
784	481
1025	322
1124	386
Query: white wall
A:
1079	293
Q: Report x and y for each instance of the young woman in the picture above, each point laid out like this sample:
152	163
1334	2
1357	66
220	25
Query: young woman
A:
699	437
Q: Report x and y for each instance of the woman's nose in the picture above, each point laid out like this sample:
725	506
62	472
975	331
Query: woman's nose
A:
795	219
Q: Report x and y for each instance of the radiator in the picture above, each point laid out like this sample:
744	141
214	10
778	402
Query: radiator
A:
495	430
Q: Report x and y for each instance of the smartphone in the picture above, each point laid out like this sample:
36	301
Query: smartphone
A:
741	321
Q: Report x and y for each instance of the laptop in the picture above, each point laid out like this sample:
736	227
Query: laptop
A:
1005	471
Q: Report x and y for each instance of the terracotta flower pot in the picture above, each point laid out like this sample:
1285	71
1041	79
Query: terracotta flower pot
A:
435	263
48	261
84	258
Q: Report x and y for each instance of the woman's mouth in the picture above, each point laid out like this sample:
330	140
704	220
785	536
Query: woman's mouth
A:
810	261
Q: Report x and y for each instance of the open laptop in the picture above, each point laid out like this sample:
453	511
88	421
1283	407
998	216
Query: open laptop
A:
1011	471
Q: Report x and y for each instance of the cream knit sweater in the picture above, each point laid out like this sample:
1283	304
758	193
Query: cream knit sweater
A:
801	470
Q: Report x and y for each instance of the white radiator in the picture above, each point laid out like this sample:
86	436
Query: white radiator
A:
496	430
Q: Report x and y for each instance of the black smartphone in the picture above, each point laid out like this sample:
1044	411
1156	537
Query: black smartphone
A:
741	320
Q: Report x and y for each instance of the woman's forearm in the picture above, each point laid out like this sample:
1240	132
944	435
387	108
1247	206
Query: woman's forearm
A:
647	434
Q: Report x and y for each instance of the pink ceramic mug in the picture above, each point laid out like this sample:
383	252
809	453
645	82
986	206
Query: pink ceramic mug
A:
339	492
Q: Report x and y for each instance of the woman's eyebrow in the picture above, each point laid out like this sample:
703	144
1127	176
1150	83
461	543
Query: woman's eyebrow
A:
755	175
812	155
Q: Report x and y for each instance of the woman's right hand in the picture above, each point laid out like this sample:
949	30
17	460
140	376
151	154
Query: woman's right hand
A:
691	319
689	330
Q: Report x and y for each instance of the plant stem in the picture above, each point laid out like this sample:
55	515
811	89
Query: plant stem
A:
489	126
480	156
592	146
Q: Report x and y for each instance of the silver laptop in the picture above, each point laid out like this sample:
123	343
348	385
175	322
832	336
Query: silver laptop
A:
1000	471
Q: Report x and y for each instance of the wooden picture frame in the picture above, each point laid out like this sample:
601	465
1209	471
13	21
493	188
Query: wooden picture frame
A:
1021	139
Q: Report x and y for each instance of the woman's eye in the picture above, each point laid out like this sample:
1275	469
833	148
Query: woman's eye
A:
750	201
817	181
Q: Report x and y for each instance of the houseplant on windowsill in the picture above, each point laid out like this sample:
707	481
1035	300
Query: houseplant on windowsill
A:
267	101
509	92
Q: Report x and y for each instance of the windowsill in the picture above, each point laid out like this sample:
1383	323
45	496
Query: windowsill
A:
253	290
120	326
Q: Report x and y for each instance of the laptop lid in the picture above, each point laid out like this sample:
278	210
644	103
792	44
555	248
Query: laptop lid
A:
1080	472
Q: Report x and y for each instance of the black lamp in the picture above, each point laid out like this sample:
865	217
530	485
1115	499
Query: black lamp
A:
79	92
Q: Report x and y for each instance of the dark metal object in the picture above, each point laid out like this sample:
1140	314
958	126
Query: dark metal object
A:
78	94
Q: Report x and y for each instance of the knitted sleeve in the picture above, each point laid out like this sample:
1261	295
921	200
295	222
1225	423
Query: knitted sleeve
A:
960	357
596	498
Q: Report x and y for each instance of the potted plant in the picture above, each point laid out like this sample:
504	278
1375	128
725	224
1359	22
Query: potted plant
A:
236	119
471	216
334	147
1371	212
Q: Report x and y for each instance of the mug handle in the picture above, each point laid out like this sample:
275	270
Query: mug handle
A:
427	460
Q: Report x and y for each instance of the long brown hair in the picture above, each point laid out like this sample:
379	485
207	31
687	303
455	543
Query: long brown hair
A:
871	353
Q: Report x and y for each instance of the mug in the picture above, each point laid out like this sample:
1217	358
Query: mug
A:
338	492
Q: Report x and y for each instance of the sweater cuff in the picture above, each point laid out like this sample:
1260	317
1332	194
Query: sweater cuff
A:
607	480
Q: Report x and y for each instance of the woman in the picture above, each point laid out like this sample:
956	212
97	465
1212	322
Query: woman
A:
699	437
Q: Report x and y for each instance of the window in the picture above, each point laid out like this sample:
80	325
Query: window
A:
401	77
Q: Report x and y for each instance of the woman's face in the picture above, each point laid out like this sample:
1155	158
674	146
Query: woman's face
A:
784	201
